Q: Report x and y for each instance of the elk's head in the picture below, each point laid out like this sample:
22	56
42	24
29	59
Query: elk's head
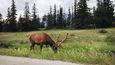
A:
58	43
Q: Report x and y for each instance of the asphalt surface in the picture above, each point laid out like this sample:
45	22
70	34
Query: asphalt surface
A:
8	60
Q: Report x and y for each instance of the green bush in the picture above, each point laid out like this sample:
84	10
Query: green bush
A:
102	31
5	45
72	35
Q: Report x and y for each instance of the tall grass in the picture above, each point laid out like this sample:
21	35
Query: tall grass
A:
83	46
111	38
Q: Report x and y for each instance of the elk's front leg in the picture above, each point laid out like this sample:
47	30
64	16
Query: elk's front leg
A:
32	46
41	46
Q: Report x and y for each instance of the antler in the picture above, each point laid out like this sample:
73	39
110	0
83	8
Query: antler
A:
58	37
64	38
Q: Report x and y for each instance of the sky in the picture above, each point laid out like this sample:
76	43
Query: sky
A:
43	6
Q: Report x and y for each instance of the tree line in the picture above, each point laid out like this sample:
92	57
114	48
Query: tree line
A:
79	16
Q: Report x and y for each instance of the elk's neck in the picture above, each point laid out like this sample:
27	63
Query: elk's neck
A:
51	43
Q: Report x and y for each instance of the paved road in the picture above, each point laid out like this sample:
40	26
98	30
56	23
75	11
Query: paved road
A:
7	60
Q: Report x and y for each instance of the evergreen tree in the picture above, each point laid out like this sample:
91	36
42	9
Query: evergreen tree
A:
97	13
64	19
38	22
75	8
9	14
25	23
21	24
6	25
27	17
10	24
93	18
60	19
109	12
50	19
13	22
74	14
27	12
72	17
83	16
57	22
54	16
35	19
1	22
104	13
69	17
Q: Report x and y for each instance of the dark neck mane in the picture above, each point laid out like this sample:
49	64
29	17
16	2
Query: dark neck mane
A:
50	41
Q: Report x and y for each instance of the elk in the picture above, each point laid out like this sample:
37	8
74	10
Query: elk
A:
44	39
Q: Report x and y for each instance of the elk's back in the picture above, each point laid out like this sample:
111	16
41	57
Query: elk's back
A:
39	38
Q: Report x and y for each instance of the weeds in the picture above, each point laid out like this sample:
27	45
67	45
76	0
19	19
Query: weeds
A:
111	38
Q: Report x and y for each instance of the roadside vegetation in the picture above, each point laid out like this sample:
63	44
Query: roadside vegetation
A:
82	46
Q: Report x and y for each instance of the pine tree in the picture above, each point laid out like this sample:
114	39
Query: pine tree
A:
38	22
72	18
27	12
69	17
75	8
35	19
27	17
60	19
83	15
108	13
104	13
93	18
54	16
98	13
50	19
9	14
21	24
6	25
24	23
1	22
74	14
13	22
64	19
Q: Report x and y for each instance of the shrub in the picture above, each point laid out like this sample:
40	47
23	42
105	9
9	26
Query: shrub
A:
102	31
72	34
5	45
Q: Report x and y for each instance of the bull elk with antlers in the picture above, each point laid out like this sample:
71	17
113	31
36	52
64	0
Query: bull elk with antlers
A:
44	39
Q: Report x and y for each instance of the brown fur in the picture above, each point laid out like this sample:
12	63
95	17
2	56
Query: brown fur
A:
44	39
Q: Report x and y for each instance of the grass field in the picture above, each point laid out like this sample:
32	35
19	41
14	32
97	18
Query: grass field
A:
83	46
